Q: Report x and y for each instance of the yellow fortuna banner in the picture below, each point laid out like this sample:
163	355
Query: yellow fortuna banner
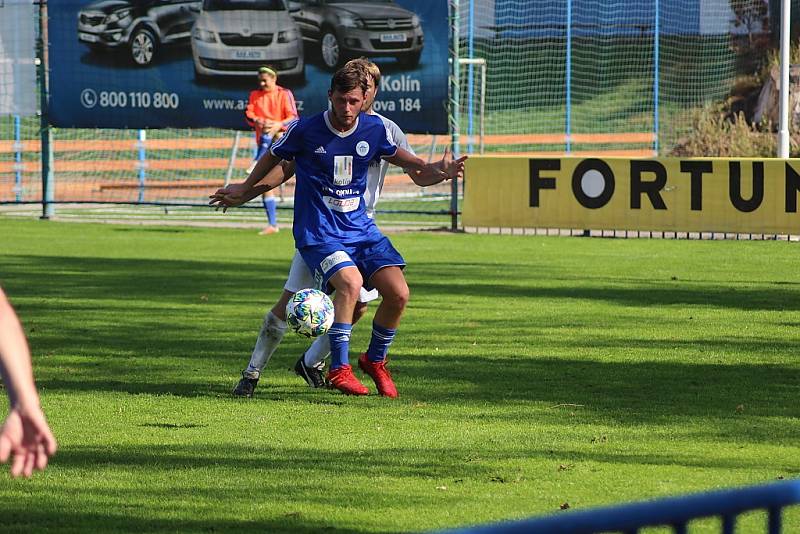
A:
665	194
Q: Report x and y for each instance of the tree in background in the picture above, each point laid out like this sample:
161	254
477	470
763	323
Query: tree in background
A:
752	15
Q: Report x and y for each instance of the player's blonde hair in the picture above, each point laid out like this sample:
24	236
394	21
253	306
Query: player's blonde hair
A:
370	68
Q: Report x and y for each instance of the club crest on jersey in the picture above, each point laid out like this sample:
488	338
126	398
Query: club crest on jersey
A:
342	170
362	148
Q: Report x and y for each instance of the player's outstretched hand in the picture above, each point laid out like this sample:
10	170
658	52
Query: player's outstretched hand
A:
26	438
452	168
228	197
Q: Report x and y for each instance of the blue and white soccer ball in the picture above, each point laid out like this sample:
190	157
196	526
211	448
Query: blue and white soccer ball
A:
310	312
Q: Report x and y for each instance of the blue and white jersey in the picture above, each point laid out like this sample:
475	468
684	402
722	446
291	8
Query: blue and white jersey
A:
377	169
331	170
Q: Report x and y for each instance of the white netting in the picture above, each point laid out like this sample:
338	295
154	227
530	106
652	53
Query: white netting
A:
593	69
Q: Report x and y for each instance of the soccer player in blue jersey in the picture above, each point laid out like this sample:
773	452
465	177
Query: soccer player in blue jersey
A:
310	365
337	240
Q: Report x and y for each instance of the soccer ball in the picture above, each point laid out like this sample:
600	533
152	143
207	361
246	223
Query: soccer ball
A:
310	312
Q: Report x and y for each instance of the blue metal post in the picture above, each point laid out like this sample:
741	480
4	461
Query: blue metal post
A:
48	179
667	511
17	160
142	164
774	520
728	524
656	70
569	78
455	103
470	72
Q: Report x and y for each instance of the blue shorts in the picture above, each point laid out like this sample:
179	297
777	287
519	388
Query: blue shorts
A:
369	257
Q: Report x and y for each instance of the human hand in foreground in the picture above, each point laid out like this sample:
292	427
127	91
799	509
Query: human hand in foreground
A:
26	438
274	129
229	197
452	168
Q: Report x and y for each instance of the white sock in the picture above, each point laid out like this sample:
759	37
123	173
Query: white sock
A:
268	340
318	351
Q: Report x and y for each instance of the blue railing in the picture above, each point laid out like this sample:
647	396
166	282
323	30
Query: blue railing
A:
676	512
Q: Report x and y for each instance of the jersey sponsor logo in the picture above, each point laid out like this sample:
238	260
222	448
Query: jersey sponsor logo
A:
342	170
341	192
320	150
340	256
342	205
362	148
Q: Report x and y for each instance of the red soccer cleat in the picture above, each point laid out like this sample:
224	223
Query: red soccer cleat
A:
380	374
343	379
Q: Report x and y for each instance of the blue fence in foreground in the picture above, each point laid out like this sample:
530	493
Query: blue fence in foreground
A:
676	512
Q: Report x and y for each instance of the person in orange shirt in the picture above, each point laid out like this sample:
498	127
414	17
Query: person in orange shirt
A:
270	109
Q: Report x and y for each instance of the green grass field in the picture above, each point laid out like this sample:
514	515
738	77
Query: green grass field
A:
534	372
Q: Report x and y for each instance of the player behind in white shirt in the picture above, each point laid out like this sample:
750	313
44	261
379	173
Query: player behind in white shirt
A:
310	365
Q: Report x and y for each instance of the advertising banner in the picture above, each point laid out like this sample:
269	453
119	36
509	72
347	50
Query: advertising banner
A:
192	63
665	194
17	67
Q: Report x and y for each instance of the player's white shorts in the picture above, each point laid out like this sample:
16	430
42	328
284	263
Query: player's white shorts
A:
300	277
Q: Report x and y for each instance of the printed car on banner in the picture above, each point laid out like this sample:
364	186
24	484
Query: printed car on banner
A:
139	28
343	29
192	63
236	37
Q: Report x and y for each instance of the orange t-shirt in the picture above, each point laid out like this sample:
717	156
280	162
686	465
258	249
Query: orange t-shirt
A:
276	105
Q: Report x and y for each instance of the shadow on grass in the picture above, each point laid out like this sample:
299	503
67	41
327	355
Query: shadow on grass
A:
741	399
45	517
157	280
437	463
151	310
435	280
625	392
186	490
87	279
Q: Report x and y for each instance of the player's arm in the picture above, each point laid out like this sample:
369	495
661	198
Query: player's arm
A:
279	174
15	358
289	109
25	436
250	112
260	179
422	178
433	175
427	173
264	165
237	194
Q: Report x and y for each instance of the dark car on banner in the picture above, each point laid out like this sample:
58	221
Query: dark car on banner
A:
140	27
342	29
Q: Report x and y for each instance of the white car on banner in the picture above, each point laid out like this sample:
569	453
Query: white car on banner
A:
236	37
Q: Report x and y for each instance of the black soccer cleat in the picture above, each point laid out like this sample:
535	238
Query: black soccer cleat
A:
314	376
246	386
